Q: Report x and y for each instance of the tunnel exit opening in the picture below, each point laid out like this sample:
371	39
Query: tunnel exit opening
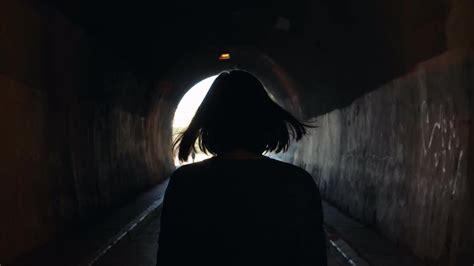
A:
184	113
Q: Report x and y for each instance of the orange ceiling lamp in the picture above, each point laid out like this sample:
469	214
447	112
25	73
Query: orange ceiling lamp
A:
224	56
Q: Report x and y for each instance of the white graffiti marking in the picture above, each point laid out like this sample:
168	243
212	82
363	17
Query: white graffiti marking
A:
438	135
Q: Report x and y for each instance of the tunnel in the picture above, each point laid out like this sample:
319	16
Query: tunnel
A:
89	91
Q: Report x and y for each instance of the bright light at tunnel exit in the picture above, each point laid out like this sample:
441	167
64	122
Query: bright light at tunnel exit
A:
187	107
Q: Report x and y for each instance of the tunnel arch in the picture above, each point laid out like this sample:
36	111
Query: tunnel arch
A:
190	69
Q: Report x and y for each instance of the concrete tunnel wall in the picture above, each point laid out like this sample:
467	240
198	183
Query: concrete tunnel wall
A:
68	156
401	159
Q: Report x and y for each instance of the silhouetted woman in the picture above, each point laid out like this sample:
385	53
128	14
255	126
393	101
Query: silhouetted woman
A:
240	207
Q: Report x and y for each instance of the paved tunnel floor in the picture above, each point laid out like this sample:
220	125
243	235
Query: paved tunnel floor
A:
129	237
349	242
140	248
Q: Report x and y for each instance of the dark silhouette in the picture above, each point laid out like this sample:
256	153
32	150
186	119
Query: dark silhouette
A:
240	207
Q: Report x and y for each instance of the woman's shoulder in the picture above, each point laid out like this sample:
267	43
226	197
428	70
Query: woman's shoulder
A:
285	166
183	171
295	175
188	170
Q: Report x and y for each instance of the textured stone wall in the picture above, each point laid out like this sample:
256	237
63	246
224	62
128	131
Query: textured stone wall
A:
401	159
75	141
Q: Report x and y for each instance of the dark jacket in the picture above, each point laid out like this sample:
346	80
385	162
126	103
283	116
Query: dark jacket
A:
241	212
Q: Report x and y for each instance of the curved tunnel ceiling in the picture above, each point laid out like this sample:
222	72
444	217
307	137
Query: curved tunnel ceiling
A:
320	43
334	51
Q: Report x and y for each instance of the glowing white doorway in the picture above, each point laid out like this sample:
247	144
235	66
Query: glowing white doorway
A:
187	107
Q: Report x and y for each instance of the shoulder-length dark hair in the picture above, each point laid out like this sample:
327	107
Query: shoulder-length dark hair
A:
237	113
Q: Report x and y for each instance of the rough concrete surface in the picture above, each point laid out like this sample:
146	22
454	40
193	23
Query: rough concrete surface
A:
400	159
69	156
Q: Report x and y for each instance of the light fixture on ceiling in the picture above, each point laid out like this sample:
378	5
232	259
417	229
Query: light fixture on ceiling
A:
224	56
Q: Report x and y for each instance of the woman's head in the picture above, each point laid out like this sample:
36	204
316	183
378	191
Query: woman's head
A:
237	113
